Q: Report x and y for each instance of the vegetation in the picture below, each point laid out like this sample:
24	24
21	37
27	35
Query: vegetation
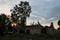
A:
59	23
20	12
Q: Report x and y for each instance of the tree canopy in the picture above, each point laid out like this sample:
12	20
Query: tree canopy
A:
21	11
59	22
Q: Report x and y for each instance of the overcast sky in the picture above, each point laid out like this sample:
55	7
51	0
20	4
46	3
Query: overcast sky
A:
44	11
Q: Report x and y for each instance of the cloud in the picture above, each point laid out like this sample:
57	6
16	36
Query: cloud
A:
5	9
55	12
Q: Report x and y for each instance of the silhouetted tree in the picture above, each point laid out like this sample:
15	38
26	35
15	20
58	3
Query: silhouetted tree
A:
52	25
59	23
2	23
21	12
3	19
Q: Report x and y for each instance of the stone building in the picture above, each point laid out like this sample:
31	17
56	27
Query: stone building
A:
34	29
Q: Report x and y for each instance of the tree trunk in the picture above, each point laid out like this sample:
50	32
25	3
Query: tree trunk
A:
23	22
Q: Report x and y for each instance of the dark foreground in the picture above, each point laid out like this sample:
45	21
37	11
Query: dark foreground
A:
28	37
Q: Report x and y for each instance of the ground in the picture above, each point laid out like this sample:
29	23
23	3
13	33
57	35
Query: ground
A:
28	37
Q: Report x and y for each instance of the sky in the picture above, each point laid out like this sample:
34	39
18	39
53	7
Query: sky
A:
44	11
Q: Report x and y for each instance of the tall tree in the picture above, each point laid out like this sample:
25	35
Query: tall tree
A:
2	23
2	19
59	23
21	12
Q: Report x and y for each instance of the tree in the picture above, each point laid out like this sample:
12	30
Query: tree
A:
8	25
59	23
2	20
52	25
2	23
21	12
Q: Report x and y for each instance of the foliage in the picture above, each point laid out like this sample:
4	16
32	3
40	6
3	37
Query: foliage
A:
59	22
20	12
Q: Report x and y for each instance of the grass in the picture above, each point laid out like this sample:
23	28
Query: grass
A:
28	37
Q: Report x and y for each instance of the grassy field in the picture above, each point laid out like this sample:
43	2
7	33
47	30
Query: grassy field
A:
28	37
